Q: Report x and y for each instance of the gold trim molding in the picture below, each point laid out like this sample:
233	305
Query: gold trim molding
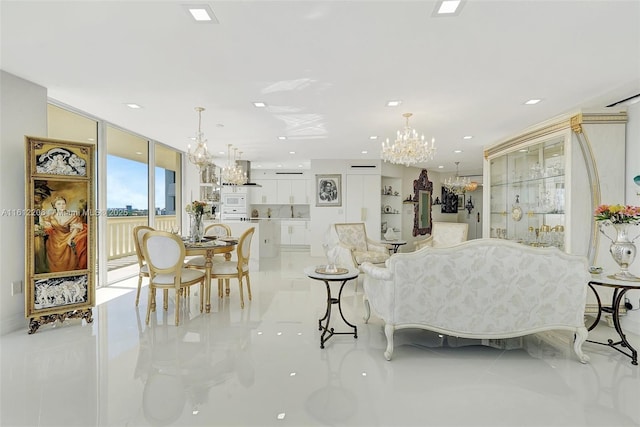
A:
573	122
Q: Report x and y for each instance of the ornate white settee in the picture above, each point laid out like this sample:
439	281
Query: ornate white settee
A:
483	289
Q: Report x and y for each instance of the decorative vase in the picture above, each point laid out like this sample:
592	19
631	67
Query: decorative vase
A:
622	249
197	228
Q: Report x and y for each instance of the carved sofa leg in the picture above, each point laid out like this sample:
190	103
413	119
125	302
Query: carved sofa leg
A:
388	331
581	337
367	308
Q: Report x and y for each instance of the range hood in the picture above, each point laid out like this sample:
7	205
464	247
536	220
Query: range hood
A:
245	166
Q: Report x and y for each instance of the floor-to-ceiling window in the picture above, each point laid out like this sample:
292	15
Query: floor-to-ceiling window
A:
127	190
139	183
167	186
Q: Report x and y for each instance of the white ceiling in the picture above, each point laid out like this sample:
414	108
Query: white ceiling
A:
326	69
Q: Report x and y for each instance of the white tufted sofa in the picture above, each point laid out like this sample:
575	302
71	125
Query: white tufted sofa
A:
484	289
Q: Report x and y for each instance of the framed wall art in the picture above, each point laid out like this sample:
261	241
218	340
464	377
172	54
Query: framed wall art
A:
449	201
328	190
60	231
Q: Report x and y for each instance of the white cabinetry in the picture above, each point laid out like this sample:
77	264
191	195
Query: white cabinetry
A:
264	194
362	202
294	232
292	192
280	192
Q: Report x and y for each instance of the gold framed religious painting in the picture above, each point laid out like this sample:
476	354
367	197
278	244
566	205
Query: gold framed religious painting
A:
60	231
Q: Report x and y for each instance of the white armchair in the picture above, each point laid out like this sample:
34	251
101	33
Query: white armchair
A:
349	246
444	234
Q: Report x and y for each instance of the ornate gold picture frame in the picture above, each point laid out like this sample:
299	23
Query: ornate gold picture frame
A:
60	227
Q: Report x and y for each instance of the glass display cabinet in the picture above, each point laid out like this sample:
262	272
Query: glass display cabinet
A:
543	185
527	194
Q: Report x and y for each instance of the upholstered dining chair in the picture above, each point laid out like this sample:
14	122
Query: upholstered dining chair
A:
164	253
143	268
444	234
236	269
218	230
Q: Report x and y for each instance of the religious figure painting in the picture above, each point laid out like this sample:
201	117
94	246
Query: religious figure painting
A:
60	230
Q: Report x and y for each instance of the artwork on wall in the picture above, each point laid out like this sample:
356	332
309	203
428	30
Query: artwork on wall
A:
449	202
60	231
328	190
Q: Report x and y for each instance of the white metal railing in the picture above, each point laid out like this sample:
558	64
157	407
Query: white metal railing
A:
120	232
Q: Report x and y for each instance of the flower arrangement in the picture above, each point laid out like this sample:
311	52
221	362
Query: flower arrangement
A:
618	214
195	208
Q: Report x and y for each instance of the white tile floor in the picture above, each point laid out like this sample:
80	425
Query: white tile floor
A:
263	366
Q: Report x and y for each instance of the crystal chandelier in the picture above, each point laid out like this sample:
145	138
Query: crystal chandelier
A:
457	185
408	148
232	173
200	156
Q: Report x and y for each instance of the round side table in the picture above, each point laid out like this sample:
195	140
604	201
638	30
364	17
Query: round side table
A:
315	272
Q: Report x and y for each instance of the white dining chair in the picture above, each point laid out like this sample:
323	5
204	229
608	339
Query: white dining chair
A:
164	253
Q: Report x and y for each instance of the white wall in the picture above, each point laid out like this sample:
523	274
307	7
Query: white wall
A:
631	322
23	111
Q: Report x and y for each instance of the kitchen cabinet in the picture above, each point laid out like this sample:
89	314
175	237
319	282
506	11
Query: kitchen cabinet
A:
292	192
294	232
264	194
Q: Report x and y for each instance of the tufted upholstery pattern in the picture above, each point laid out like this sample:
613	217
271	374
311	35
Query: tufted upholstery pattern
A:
507	290
350	247
445	234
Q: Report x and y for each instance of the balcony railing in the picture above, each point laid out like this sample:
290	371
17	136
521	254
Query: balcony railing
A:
120	232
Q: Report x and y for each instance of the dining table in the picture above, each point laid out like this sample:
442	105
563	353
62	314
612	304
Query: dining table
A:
209	247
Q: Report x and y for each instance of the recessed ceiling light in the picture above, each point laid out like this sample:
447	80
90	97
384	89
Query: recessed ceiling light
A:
259	333
532	101
259	104
364	152
279	166
90	139
373	137
138	152
448	7
467	137
440	167
133	106
201	13
299	167
364	374
281	416
524	150
457	151
393	103
292	152
292	374
282	138
279	333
